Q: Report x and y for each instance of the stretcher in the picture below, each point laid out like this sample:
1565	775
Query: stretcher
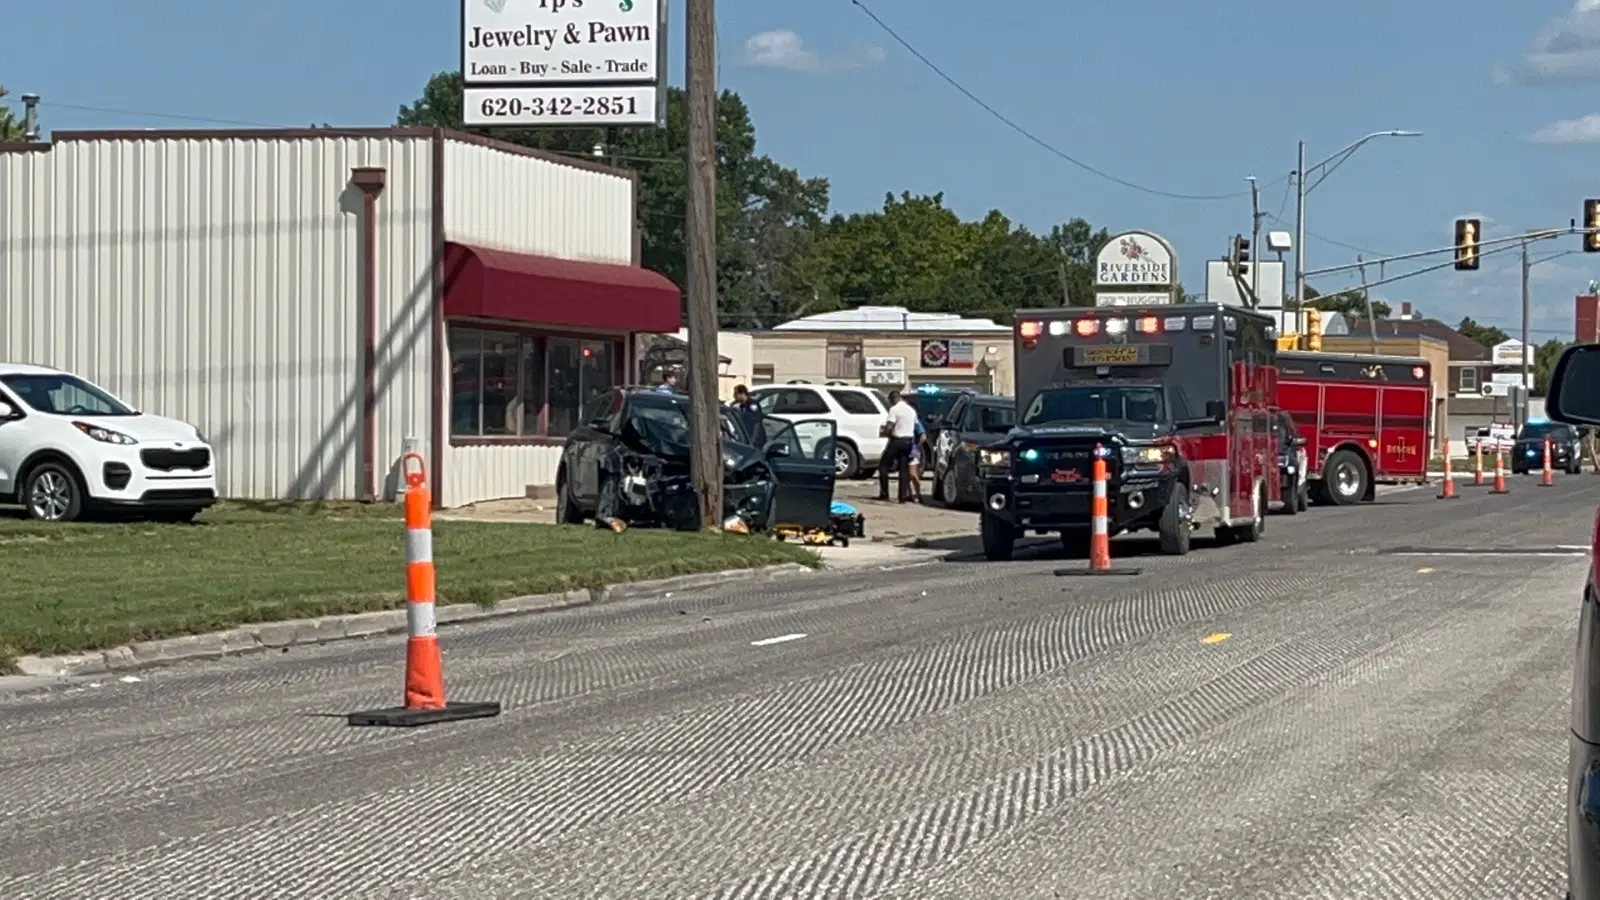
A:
844	522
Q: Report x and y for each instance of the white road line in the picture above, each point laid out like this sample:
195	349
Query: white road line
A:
780	639
1507	553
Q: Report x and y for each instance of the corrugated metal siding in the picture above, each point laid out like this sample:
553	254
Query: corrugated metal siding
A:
508	201
479	473
218	281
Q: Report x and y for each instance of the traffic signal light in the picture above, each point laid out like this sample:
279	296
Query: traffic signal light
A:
1591	226
1468	232
1313	328
1241	254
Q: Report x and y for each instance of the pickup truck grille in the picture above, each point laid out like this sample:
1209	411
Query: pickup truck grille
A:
1061	464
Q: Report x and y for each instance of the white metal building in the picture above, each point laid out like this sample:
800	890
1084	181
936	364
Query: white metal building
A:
315	299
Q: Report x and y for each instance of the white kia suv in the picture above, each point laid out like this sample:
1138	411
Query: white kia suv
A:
857	412
68	446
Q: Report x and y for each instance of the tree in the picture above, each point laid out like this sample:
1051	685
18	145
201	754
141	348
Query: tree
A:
1348	303
763	209
12	129
1544	361
1487	335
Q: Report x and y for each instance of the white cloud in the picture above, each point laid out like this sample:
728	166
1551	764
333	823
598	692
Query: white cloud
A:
1582	130
1566	50
786	50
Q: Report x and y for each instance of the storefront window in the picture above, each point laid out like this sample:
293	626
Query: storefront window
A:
516	384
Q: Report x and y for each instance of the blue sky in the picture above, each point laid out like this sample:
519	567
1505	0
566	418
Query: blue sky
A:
1184	97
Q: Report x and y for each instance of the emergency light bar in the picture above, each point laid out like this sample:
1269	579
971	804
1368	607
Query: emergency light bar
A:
1029	331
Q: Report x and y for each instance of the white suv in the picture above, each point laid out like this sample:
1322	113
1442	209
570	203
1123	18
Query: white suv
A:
67	446
857	412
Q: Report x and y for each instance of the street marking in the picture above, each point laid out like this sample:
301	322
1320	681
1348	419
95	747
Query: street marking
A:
1425	570
1566	554
1217	638
780	639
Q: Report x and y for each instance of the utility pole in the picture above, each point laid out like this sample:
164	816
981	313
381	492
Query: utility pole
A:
1299	237
1255	240
1520	417
706	440
1372	321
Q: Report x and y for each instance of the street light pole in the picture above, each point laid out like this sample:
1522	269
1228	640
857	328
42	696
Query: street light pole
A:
1302	189
1521	410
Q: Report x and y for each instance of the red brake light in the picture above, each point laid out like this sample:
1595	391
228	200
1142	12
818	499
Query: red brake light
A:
1086	327
1148	325
1030	330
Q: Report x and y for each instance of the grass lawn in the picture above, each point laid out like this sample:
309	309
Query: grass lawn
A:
89	586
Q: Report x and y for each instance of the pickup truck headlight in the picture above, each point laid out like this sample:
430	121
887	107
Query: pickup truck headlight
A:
995	459
1146	456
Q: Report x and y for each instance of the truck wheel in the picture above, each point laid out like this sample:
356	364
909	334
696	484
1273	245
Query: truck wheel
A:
939	493
1173	527
998	538
1346	478
1302	496
1291	498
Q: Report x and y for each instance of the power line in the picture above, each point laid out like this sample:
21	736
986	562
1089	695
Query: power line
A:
1029	135
1328	240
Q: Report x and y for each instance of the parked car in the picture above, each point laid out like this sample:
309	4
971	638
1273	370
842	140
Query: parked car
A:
858	412
629	461
934	404
1292	464
974	422
68	447
1566	450
1572	400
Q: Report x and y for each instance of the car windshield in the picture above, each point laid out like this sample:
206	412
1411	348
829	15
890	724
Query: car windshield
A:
1129	403
932	406
1539	431
65	395
663	420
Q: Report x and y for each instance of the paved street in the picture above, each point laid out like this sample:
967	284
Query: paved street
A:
1300	718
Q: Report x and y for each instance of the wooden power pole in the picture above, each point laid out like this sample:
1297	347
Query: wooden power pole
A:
702	263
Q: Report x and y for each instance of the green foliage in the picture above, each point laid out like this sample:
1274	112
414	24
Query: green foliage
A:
1487	335
1544	361
12	130
1349	303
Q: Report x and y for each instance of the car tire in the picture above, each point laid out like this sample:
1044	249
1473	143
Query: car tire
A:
846	460
1345	477
1173	527
999	540
52	492
950	489
1302	495
939	495
1252	533
1291	500
567	511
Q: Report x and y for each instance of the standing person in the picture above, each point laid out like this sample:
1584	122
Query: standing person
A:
742	401
901	430
749	413
669	382
914	461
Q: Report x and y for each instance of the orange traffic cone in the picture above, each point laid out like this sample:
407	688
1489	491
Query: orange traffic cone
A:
1449	487
1099	525
1548	478
1499	473
424	685
1477	465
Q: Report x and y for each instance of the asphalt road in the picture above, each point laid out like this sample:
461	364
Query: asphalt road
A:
1373	726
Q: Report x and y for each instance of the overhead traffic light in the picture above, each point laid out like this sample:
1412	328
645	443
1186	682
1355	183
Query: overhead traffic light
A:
1313	328
1240	257
1591	226
1468	236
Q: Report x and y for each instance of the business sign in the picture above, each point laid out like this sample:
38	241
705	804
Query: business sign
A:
563	63
1120	298
1511	353
949	354
1136	259
885	370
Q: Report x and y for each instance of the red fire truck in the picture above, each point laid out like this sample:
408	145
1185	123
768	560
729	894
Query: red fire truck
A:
1365	420
1179	399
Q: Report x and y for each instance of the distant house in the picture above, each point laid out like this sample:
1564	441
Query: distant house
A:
1471	363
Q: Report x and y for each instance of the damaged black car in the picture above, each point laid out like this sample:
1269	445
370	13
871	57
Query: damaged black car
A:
627	464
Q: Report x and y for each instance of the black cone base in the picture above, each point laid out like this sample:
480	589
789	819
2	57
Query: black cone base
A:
400	717
1113	571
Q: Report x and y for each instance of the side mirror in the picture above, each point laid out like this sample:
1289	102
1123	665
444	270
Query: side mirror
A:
7	411
1216	410
1573	398
774	451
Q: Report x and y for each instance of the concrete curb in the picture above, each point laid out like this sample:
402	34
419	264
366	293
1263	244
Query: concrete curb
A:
328	629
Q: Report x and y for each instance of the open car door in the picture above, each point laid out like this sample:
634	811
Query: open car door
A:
801	454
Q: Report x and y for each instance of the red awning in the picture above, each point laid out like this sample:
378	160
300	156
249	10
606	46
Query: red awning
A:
543	290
